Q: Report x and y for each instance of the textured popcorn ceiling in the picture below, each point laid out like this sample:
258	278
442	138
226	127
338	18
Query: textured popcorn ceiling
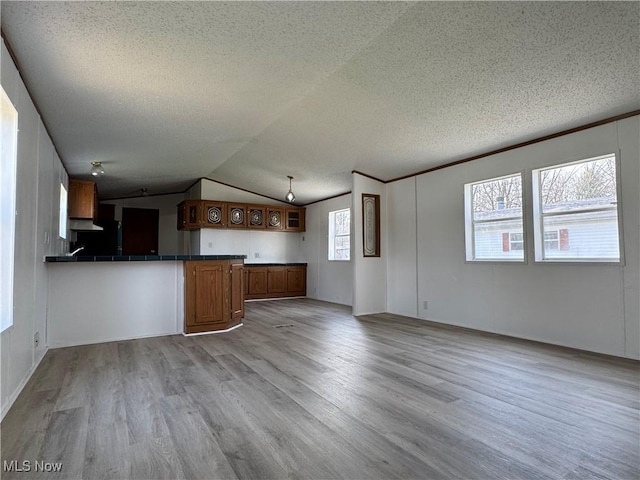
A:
249	92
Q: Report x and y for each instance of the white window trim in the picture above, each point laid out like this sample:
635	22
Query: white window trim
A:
538	229
469	230
332	236
8	173
62	221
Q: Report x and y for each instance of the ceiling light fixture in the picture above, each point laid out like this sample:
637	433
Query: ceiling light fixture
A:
290	197
96	169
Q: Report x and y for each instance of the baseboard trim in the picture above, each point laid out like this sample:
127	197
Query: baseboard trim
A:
14	396
109	340
213	332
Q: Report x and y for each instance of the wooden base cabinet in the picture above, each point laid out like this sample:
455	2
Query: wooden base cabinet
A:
214	295
297	281
275	282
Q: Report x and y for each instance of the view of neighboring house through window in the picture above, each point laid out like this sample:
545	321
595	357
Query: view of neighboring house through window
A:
340	234
576	211
8	163
493	213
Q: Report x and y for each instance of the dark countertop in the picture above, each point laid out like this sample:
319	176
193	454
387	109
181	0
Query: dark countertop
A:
139	258
275	264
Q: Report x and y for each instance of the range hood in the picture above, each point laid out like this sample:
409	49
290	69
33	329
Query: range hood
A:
85	225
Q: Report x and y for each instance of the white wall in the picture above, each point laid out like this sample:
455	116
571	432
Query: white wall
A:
170	239
210	190
369	274
39	175
591	307
259	246
401	241
103	302
331	281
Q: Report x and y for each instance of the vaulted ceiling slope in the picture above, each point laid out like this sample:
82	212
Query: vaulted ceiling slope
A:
249	92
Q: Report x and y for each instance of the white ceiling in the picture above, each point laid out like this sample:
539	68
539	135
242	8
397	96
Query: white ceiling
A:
247	93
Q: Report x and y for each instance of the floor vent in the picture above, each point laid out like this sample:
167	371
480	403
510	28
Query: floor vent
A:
284	325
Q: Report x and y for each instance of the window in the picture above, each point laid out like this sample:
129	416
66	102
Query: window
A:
62	225
8	162
576	211
493	212
516	241
340	234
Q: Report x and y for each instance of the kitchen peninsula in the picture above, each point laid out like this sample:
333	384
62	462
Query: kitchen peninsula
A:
94	299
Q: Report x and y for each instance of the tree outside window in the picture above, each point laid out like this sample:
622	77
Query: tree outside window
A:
340	235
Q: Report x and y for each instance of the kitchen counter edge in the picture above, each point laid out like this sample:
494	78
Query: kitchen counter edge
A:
257	265
138	258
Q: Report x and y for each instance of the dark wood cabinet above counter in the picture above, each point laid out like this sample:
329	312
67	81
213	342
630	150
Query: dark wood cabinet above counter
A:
195	214
83	200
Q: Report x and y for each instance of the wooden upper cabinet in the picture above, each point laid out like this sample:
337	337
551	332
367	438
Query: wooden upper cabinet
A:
257	216
214	214
275	218
189	215
83	199
294	220
194	214
236	216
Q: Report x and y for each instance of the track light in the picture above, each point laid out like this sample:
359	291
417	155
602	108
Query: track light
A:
96	169
290	197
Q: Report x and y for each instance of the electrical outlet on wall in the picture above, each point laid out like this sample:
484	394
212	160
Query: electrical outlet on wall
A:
425	305
256	255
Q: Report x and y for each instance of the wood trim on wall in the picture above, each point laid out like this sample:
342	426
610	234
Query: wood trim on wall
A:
522	144
328	198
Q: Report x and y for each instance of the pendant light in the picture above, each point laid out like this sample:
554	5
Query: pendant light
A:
290	197
96	169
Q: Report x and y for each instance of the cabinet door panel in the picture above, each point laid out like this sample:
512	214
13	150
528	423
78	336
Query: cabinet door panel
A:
214	214
294	219
257	281
82	200
276	280
296	281
209	294
189	215
275	218
236	216
236	291
257	216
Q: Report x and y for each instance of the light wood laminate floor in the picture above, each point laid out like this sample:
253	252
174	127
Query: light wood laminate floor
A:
305	390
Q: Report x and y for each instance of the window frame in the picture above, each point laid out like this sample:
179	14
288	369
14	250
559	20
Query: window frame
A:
332	236
9	175
539	216
469	227
62	220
